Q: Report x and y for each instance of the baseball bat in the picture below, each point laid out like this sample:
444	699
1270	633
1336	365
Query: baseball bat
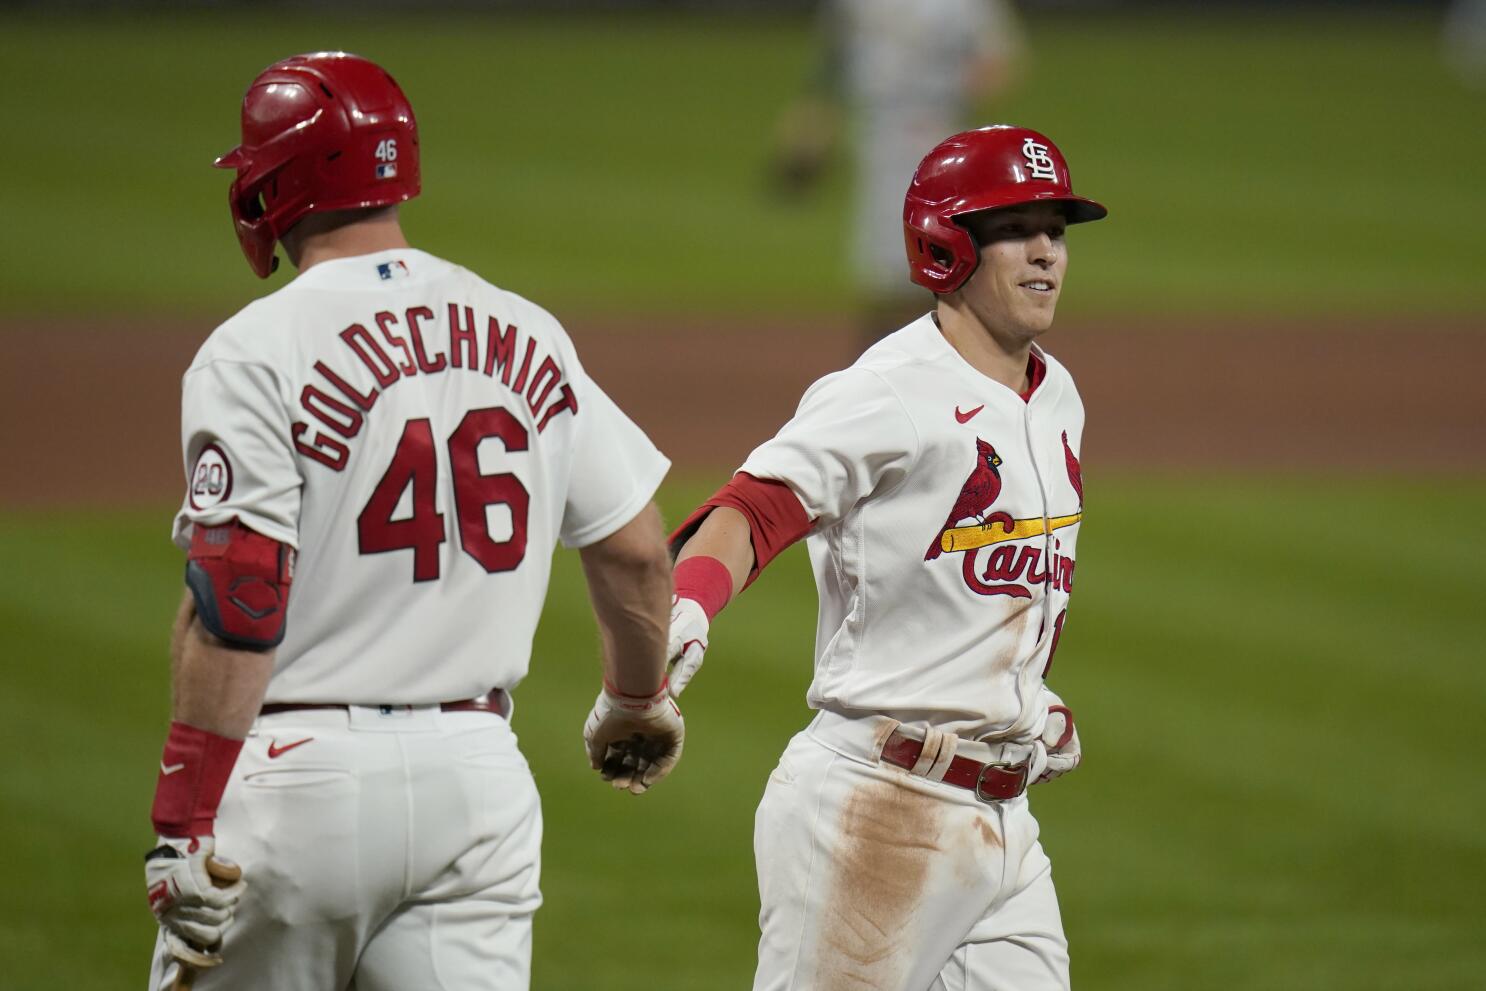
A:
964	538
223	874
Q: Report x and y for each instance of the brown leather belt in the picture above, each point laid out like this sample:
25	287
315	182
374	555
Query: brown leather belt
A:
495	701
993	782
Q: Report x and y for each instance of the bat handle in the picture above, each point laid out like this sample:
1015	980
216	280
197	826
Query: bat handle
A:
223	874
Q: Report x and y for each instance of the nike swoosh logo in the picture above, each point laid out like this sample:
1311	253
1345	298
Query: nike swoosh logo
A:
171	769
274	750
966	417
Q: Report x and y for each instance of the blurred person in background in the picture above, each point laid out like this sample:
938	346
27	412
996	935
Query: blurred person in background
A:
894	76
1464	41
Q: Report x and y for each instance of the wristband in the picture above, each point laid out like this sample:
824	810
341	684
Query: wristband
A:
193	775
637	703
706	581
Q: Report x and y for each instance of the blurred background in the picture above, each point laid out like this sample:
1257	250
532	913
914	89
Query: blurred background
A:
1280	334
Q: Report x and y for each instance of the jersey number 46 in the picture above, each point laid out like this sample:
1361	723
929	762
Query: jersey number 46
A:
415	463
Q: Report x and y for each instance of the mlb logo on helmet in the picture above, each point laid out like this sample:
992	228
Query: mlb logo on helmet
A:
387	170
1039	161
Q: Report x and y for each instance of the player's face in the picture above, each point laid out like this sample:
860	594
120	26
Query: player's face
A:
1023	259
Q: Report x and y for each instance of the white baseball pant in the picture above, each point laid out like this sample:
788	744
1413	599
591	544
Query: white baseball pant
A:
396	848
871	877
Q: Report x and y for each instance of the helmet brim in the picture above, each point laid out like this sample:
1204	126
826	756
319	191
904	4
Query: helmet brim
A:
1076	209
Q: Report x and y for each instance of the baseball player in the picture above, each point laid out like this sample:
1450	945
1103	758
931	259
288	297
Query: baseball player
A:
937	482
381	456
902	75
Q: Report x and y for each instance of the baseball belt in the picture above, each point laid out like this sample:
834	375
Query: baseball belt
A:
495	701
992	782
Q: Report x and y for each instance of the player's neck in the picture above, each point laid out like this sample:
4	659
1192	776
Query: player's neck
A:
321	239
998	356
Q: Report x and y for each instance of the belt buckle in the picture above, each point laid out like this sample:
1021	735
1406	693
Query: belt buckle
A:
999	765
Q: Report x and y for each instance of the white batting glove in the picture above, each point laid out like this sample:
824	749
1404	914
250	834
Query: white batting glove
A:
193	905
688	642
634	741
1060	738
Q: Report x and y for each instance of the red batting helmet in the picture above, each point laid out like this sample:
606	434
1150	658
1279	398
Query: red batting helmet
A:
327	131
978	170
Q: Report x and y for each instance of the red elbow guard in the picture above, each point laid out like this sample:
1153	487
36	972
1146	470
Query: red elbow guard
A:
240	581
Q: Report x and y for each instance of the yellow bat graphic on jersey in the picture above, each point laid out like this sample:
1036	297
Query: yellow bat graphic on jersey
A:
964	538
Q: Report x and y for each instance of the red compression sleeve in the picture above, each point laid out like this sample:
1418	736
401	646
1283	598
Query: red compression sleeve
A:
705	580
193	775
775	517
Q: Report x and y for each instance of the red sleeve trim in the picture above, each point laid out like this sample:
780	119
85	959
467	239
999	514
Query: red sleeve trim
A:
193	775
775	517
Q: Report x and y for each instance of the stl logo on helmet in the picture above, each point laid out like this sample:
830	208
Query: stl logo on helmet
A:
1011	566
211	478
1039	162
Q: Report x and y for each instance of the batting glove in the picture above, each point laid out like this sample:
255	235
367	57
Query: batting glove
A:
688	643
192	894
634	741
1060	738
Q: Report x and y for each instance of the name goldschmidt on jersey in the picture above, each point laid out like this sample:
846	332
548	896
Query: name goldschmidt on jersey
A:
471	342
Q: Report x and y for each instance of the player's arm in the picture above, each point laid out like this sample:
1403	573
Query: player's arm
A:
629	583
634	733
720	550
215	686
995	64
222	655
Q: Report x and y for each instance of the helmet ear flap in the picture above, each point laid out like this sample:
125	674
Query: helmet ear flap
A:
941	255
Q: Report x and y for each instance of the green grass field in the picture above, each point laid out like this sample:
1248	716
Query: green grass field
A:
1278	684
1278	680
1323	165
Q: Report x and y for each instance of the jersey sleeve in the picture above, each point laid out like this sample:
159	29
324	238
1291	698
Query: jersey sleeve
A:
851	437
238	452
615	469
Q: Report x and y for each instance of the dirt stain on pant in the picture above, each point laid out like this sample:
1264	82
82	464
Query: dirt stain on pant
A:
889	835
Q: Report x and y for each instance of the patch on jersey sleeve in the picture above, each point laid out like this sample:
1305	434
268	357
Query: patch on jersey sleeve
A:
211	478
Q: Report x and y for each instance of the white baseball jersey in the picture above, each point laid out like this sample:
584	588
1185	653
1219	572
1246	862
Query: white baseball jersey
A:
423	439
948	513
918	54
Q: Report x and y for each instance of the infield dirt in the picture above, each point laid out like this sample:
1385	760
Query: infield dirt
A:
89	411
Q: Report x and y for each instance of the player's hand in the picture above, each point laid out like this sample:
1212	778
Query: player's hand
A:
634	741
1060	738
688	642
193	895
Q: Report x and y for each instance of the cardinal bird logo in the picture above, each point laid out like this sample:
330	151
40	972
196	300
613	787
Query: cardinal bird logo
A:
1075	473
977	495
